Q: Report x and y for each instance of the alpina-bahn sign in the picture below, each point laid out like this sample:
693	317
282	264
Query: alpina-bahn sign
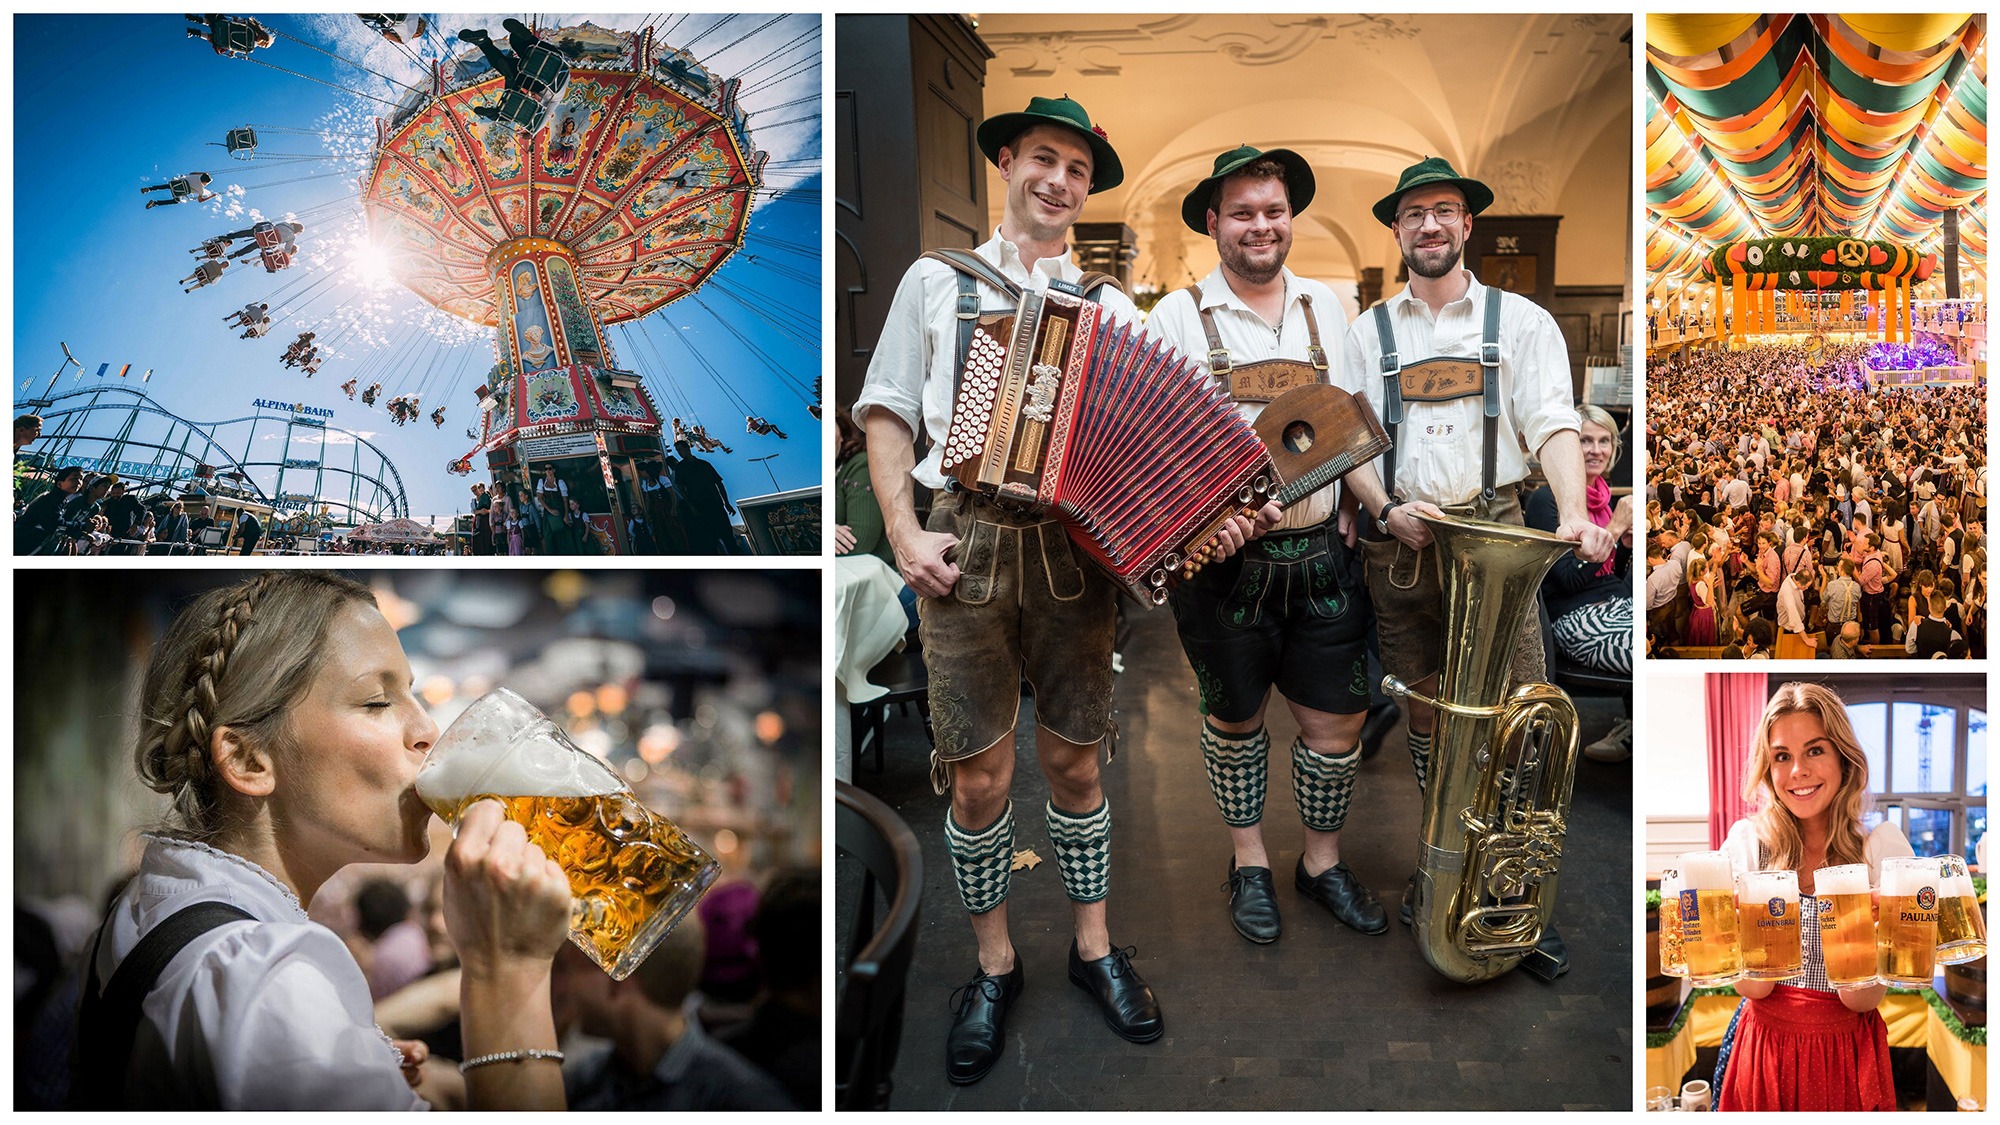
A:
320	412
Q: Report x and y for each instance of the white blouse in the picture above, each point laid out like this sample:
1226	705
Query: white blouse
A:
270	1014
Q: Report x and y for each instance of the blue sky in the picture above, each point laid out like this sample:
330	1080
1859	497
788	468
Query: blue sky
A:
96	270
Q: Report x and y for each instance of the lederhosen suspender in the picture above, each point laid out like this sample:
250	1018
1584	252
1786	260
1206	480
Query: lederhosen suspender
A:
1392	393
108	1022
973	269
1219	363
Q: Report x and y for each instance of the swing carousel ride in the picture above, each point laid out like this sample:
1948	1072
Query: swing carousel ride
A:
539	186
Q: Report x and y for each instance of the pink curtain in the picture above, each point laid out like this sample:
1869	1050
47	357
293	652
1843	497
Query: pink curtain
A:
1735	703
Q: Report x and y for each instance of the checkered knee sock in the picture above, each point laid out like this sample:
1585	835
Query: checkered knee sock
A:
1083	851
1239	771
1323	785
982	860
1420	757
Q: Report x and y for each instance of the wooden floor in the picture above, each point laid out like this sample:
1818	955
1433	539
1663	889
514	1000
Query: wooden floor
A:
1324	1018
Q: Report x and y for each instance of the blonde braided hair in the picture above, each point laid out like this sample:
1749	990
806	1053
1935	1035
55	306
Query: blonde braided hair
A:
238	657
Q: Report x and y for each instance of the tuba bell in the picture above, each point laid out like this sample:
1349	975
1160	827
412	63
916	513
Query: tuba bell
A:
1502	763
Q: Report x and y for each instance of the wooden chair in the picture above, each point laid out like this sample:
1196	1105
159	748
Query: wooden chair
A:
869	1014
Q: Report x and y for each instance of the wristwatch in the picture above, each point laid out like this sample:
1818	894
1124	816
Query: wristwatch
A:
1382	521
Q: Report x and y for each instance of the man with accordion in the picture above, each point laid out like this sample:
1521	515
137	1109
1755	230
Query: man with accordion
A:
1003	594
1469	380
1279	613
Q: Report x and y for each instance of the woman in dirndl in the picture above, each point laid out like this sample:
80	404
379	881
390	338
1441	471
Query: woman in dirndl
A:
1802	1044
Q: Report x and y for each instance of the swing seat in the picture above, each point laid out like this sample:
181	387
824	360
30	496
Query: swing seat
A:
241	143
544	74
265	235
275	260
522	112
236	37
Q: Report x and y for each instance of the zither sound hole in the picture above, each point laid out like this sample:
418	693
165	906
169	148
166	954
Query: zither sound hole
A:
1298	437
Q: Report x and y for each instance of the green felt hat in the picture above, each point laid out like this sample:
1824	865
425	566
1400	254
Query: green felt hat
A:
1298	182
1001	129
1432	170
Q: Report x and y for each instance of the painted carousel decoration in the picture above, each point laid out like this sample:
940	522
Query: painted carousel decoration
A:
571	179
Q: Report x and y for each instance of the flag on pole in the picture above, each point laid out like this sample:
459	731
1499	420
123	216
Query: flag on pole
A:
147	376
124	371
102	368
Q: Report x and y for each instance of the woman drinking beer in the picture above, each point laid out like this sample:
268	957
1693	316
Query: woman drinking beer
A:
278	717
1807	1043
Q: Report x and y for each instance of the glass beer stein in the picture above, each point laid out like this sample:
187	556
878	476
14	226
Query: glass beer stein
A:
1768	912
1961	918
1846	924
1709	937
633	875
1906	932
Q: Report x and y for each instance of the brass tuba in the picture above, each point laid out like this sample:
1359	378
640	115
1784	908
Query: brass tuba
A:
1501	764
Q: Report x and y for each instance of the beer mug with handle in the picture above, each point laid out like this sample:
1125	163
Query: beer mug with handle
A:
1961	917
1906	925
633	874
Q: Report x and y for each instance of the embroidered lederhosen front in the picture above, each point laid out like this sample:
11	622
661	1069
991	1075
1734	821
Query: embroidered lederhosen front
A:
1277	613
1408	601
1025	603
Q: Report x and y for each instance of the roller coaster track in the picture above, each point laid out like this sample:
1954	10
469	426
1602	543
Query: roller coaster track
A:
108	433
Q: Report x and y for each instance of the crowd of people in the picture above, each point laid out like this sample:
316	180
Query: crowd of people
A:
682	508
1793	506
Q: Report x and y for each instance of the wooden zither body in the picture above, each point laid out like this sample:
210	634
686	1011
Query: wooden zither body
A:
1062	409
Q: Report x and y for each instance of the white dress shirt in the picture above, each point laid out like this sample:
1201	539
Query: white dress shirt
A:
1439	450
911	373
1250	339
264	1014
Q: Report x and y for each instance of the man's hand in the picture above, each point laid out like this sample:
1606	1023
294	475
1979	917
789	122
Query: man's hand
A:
843	539
1405	526
1593	543
920	557
1238	530
1348	528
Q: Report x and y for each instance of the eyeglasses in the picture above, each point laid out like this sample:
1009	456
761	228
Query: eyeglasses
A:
1445	213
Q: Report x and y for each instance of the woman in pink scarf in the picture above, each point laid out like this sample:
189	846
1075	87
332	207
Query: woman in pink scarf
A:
1590	604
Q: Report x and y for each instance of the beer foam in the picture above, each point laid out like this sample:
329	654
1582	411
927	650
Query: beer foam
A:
1706	871
1958	886
1847	879
502	746
1904	881
1761	885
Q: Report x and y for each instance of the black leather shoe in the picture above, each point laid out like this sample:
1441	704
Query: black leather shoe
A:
1550	957
1409	897
1128	1005
1253	907
1381	720
1339	891
979	1029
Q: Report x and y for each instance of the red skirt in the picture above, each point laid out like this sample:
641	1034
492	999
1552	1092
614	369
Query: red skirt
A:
1803	1050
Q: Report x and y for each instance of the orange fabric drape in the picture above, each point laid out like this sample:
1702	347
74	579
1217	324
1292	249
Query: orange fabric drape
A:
1735	704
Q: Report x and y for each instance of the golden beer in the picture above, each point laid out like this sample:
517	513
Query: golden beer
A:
1846	924
632	875
1768	914
1709	933
1961	920
1906	931
1673	958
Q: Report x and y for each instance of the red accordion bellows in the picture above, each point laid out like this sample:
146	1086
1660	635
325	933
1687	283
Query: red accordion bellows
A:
1063	409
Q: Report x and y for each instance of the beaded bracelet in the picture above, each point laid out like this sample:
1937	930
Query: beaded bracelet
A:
509	1056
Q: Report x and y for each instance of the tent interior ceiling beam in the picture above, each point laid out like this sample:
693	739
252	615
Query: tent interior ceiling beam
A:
1785	126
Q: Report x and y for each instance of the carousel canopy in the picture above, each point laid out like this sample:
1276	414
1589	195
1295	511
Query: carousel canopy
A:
642	168
1789	126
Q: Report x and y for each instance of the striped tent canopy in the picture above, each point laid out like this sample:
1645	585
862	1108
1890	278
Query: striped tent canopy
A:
1823	126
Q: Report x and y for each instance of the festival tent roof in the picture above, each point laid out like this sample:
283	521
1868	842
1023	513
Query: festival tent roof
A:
1777	126
393	531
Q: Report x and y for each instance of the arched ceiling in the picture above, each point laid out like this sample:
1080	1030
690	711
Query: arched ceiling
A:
1774	126
1514	100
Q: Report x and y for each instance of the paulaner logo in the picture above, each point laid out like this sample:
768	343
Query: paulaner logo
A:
1927	898
294	407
